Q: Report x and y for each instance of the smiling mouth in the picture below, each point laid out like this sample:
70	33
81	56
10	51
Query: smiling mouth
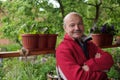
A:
77	34
78	31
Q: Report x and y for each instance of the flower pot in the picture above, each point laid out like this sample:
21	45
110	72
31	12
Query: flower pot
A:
52	41
102	39
30	41
43	41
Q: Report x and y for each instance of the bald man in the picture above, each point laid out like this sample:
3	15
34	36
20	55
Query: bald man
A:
79	60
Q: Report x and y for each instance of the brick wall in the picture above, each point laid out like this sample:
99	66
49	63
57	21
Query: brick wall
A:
4	41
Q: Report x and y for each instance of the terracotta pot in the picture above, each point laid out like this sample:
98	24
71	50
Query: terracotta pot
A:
43	41
30	41
52	41
102	39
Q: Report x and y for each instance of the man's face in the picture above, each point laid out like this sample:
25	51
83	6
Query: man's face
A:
74	26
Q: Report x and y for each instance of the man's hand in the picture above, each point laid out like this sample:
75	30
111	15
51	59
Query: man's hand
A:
98	55
85	67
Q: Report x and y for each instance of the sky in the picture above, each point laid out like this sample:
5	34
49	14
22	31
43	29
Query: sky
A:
55	3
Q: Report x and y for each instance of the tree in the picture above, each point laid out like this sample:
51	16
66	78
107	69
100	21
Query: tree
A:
40	16
25	16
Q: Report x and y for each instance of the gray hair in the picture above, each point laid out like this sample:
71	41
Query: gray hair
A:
68	15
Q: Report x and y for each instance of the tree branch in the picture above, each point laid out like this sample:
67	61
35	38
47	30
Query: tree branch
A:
61	7
97	12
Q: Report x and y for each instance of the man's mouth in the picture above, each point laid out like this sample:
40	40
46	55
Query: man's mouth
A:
78	31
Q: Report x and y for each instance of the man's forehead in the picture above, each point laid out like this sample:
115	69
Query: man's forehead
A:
71	18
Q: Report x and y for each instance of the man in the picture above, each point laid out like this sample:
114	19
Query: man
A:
79	60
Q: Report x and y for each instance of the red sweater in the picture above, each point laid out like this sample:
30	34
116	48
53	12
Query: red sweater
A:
70	59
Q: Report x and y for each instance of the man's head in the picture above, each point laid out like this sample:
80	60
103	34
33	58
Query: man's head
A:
73	25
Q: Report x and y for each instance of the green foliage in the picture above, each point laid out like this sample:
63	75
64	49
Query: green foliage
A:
20	70
11	47
25	16
115	70
113	73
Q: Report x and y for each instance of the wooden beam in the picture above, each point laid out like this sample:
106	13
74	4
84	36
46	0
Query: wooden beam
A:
38	52
17	53
111	46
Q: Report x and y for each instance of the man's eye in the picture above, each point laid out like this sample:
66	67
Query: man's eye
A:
80	24
72	25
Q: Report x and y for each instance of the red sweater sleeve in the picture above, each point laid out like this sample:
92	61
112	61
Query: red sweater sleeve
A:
102	63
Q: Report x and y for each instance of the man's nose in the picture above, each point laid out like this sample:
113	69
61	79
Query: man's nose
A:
77	27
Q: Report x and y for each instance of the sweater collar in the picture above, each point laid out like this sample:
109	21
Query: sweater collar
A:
67	37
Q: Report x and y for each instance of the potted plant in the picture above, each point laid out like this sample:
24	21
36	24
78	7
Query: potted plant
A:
29	35
103	35
34	37
45	39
